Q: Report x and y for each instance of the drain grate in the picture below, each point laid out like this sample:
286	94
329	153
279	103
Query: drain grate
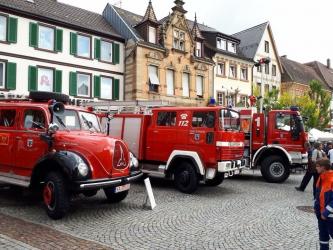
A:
307	209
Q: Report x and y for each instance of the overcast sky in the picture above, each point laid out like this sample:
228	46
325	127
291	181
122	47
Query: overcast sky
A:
302	29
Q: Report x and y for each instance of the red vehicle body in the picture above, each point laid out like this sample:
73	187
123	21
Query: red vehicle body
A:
186	144
61	150
275	142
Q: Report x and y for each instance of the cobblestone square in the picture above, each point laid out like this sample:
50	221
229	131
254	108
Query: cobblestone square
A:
242	213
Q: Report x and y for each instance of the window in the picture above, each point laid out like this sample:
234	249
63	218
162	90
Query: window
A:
267	69
106	88
106	51
152	35
2	74
69	118
273	70
179	40
3	28
259	87
166	119
221	98
199	85
34	119
7	118
282	122
83	85
232	47
46	38
221	69
203	119
266	46
232	71
266	89
186	84
153	78
45	79
243	100
259	68
170	82
221	43
243	73
83	46
198	52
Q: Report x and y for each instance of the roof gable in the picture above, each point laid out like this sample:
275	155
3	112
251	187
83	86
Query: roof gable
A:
325	72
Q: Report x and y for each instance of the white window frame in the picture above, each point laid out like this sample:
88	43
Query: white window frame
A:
46	28
153	75
170	80
273	70
221	43
39	80
198	49
108	89
89	84
78	42
152	34
186	85
105	59
3	84
232	74
232	47
199	85
244	74
220	98
221	69
267	46
5	28
179	39
267	69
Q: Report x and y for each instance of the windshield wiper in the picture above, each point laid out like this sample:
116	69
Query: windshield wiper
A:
89	123
61	122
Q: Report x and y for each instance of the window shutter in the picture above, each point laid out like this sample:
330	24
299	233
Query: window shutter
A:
73	46
58	81
33	34
115	53
97	86
11	76
12	30
97	48
72	84
115	89
32	78
58	40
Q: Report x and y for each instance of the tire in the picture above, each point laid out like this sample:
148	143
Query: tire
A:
46	96
186	178
274	169
114	197
55	196
217	180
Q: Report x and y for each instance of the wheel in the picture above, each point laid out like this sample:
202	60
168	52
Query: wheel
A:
90	193
55	196
46	96
274	169
186	178
114	197
217	180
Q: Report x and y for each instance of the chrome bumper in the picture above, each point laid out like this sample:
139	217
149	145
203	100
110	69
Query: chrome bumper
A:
227	166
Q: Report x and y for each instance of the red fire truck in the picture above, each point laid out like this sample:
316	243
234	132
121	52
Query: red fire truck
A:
274	142
186	144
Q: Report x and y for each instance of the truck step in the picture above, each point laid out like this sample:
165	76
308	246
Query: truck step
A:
154	170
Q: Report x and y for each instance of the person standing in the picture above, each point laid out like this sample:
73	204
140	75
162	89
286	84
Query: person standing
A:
323	204
330	154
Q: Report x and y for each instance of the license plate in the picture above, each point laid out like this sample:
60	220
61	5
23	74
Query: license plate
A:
122	188
236	171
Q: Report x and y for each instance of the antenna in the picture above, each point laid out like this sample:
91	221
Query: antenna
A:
118	3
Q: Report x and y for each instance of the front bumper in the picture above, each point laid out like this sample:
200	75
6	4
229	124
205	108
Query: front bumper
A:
106	183
231	166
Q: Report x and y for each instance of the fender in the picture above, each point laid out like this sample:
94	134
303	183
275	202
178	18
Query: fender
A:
186	154
264	148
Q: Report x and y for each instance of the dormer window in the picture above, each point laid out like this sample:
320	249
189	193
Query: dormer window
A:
179	40
232	47
198	49
152	35
221	43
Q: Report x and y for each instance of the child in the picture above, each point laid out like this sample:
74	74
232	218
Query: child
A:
324	202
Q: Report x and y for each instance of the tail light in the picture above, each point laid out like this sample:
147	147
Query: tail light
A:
120	156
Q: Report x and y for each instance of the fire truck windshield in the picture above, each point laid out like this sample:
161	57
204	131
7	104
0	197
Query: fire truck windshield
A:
229	120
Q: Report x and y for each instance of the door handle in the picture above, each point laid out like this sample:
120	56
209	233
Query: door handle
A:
18	137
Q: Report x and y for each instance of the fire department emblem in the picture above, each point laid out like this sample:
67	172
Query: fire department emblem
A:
196	137
4	139
30	142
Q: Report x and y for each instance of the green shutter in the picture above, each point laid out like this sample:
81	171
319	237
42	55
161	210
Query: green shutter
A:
58	81
11	76
97	48
58	40
73	49
32	78
72	84
115	89
97	86
12	30
115	53
33	34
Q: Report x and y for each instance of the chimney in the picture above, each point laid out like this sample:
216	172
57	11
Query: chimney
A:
328	63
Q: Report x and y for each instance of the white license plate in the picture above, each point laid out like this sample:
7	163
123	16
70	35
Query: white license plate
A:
236	171
122	188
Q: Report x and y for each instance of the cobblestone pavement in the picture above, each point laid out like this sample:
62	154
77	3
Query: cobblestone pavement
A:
241	213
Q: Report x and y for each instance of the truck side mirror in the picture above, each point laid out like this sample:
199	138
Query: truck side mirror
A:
53	128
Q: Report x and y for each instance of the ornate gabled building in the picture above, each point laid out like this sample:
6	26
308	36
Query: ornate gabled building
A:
165	59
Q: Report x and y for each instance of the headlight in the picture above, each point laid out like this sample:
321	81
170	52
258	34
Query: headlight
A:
83	169
134	161
80	164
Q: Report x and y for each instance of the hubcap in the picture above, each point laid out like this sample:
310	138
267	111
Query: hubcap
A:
184	178
277	169
48	195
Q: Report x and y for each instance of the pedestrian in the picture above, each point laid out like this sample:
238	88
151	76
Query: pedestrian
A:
330	154
323	204
316	154
327	147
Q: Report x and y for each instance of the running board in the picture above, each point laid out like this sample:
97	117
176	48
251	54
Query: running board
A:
14	181
159	172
